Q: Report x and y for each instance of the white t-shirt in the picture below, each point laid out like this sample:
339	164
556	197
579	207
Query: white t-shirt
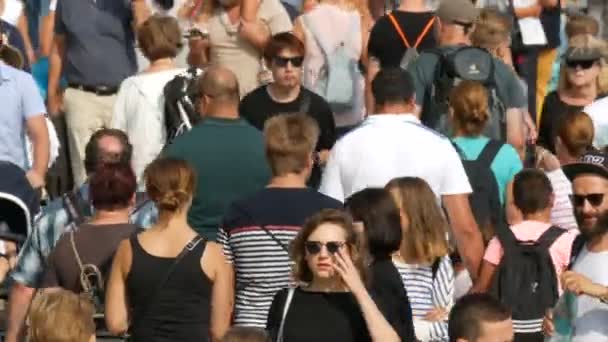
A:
598	111
591	314
53	6
386	146
12	11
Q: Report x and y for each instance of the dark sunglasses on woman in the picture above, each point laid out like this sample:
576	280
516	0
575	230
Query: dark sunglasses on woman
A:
282	61
594	199
583	64
314	247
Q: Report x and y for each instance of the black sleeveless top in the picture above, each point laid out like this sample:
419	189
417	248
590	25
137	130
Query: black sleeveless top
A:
179	311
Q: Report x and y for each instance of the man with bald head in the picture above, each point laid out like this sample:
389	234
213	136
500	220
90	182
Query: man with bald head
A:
226	152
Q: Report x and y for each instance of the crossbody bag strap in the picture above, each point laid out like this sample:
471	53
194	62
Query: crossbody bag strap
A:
86	286
290	293
189	247
264	228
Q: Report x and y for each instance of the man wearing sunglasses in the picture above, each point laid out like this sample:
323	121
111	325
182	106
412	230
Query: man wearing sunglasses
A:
589	256
284	55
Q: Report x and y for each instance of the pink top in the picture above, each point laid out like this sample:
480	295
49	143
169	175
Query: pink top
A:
531	231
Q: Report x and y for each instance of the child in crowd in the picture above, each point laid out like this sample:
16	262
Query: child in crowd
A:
423	260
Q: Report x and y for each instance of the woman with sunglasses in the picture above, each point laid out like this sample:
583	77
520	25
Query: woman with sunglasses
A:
583	79
331	302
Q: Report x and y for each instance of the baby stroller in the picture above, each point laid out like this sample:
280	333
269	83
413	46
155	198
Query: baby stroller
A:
19	204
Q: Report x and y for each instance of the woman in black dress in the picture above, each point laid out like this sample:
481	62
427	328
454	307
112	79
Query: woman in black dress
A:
331	303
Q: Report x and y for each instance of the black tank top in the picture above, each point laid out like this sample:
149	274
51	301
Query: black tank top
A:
180	310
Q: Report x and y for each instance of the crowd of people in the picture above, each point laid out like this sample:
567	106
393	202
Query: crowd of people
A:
315	170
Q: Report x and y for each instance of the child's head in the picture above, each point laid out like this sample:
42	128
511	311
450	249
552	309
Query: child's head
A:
532	192
246	334
424	226
61	316
582	24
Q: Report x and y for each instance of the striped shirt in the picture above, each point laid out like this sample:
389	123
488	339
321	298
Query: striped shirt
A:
562	214
255	235
427	292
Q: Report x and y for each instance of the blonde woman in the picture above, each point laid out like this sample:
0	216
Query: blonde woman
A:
329	24
583	80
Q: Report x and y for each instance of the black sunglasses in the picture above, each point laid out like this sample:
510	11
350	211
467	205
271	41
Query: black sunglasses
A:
583	64
314	247
282	61
594	199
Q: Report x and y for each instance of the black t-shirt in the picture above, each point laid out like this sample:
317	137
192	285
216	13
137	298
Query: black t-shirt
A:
387	46
258	106
551	19
318	316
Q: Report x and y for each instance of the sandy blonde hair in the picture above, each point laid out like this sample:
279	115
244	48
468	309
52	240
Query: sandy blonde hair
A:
576	133
587	41
61	316
170	183
469	102
425	239
492	29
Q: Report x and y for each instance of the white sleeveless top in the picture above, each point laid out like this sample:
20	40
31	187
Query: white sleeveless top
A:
335	23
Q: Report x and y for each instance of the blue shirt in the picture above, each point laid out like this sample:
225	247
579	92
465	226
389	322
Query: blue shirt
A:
505	166
49	227
99	49
20	100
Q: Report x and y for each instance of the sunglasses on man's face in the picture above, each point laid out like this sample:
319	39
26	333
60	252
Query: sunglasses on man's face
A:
594	199
282	61
582	64
314	247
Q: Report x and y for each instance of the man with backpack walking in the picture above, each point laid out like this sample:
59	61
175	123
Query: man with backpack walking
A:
588	277
526	259
437	71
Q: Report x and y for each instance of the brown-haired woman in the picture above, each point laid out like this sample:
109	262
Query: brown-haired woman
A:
469	114
331	303
423	259
169	283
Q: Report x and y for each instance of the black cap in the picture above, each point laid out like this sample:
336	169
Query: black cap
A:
592	162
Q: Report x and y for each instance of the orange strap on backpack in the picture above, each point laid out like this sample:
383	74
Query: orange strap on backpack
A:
423	34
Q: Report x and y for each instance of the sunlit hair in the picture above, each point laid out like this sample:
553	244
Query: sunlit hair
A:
576	132
493	28
425	239
61	316
169	183
587	41
582	24
159	37
469	102
301	271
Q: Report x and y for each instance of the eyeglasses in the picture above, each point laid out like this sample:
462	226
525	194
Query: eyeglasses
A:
594	199
314	247
282	61
583	64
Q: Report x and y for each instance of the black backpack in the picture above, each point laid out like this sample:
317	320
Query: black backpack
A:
526	280
485	199
181	95
466	63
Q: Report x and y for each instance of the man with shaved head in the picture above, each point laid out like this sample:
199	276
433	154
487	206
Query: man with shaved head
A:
226	152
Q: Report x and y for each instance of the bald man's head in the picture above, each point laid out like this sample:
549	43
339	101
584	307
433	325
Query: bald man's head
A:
220	84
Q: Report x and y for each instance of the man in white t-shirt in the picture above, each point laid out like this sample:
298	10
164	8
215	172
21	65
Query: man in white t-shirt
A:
597	111
589	257
393	143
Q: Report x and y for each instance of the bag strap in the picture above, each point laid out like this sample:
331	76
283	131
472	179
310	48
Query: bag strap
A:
547	239
399	31
264	228
490	151
424	33
577	247
73	204
189	247
290	293
435	267
84	280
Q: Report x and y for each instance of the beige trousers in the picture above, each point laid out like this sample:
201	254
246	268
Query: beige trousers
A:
85	114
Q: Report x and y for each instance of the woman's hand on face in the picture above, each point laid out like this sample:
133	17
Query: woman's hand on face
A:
343	264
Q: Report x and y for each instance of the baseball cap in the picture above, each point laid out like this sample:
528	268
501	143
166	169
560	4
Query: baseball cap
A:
579	54
593	161
457	12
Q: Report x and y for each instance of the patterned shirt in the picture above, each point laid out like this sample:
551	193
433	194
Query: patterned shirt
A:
48	228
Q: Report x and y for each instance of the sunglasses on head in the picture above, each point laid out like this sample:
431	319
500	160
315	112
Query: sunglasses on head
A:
581	64
282	61
314	247
594	199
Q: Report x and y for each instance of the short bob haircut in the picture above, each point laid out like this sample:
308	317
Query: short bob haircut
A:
61	316
290	140
377	210
532	191
280	42
470	312
301	271
112	186
159	37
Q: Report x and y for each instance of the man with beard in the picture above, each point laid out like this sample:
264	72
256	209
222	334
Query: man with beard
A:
588	277
284	54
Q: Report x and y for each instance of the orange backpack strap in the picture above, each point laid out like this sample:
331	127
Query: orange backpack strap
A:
424	33
399	31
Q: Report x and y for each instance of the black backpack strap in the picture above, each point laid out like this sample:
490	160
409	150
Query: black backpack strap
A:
74	204
547	239
577	247
435	267
490	151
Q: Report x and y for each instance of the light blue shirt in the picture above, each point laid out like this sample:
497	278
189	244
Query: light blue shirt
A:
505	166
20	100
